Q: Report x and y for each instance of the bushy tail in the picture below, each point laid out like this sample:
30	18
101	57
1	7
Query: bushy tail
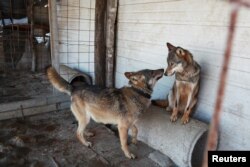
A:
160	103
58	82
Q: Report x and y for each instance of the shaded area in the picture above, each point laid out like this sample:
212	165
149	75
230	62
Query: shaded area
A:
22	85
49	140
24	35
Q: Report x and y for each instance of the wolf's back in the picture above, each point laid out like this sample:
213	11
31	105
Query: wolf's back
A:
58	82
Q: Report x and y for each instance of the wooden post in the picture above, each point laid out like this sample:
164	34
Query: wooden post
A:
100	46
110	41
53	34
33	53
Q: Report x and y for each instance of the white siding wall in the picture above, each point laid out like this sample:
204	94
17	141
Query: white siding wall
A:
76	34
201	26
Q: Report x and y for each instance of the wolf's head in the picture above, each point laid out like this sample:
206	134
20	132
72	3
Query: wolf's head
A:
178	58
144	79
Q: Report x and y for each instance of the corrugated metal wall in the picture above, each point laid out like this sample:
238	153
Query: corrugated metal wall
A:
144	27
76	34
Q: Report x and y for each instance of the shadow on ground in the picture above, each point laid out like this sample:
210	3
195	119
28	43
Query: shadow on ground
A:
49	140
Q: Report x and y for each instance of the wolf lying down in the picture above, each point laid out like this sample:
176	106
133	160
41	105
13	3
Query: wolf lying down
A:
110	105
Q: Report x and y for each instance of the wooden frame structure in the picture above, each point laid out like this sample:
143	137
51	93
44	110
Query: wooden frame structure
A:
105	28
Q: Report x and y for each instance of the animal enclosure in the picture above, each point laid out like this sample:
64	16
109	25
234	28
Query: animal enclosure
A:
25	49
75	30
25	43
102	39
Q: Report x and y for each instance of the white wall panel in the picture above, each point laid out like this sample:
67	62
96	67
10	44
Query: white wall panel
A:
76	19
144	27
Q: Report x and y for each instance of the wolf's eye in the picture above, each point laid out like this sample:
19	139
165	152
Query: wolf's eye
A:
133	79
171	64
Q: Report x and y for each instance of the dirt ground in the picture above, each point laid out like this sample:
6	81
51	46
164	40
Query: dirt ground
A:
23	85
48	140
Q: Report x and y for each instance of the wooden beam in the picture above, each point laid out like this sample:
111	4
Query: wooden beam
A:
34	106
100	46
33	52
53	34
110	41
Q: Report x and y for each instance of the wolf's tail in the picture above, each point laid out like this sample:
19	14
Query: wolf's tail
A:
160	103
58	82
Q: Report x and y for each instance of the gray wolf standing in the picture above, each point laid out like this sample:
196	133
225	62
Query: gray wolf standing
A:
110	105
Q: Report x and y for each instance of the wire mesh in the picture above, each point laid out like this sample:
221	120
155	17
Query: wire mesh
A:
24	32
76	34
25	42
24	49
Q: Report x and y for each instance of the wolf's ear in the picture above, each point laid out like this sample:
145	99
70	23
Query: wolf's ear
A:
180	52
184	54
170	46
128	74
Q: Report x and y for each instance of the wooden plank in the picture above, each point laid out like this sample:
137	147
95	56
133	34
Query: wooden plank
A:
210	67
159	55
70	35
110	41
25	104
137	2
76	24
33	52
171	5
33	110
78	3
53	34
77	46
64	105
75	12
100	46
33	102
234	134
57	99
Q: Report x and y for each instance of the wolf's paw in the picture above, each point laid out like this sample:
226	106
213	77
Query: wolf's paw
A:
134	141
169	109
88	144
173	118
130	155
185	119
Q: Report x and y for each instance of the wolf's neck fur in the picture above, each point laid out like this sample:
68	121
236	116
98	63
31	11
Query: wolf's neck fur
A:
142	91
190	73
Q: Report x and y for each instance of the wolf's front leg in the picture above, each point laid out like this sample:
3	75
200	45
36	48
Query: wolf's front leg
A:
185	117
123	133
174	115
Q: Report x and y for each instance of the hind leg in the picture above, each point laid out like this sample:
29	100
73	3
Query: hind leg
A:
83	120
134	134
123	134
